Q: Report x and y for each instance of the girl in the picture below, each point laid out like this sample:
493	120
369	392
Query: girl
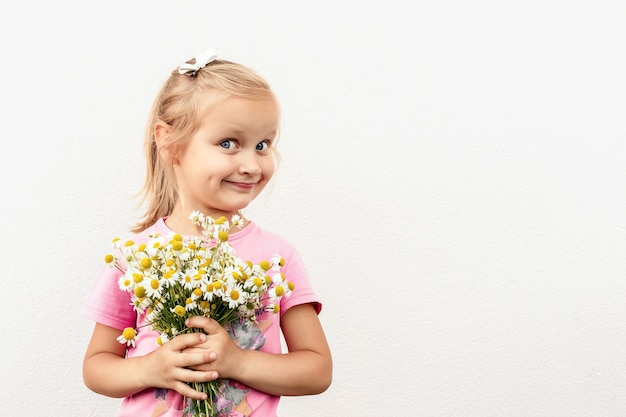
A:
210	148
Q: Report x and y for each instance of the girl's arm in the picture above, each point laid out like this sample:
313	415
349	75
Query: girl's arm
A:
107	371
305	369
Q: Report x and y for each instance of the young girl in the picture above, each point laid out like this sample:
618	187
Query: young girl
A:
209	148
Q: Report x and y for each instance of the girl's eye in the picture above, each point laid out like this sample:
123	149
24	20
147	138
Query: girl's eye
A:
262	146
227	144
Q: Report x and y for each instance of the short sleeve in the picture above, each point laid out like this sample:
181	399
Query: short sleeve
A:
107	304
295	272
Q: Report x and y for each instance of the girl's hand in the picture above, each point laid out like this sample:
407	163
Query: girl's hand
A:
225	353
305	369
178	362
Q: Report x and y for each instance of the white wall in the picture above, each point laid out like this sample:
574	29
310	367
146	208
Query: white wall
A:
453	174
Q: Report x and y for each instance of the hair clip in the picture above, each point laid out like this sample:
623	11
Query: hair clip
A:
201	61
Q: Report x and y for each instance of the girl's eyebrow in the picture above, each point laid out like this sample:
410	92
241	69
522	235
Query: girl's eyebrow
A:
242	132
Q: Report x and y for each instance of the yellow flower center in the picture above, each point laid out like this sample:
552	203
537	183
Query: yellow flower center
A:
179	311
222	236
142	247
265	265
279	290
129	333
146	263
258	282
137	278
140	292
154	284
109	258
234	295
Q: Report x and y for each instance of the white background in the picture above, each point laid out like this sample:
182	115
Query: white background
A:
453	175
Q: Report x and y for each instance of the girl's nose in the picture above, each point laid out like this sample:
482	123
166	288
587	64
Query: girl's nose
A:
249	163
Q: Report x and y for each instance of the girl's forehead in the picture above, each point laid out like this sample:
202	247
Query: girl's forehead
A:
239	113
242	106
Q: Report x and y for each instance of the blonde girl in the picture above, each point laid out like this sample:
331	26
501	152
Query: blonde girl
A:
210	147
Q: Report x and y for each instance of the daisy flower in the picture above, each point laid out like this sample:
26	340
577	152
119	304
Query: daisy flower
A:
127	337
237	221
162	339
154	311
154	287
197	293
191	279
234	296
277	262
208	291
169	277
125	282
190	304
196	217
117	243
276	292
273	308
254	283
141	304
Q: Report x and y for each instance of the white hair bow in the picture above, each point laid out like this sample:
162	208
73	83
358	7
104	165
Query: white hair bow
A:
201	61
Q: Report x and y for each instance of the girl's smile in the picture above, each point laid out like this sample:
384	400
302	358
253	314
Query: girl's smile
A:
243	186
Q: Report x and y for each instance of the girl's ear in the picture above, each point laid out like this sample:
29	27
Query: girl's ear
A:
161	132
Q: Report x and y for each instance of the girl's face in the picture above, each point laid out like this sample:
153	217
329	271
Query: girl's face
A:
229	160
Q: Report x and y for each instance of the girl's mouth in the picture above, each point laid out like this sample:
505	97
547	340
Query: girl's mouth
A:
242	185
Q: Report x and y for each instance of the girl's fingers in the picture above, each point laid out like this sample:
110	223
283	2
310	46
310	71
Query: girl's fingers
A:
184	341
210	326
189	375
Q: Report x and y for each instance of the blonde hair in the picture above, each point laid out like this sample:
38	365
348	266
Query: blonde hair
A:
181	104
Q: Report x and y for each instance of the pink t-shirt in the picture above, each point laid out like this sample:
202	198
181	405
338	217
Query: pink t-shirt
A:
109	305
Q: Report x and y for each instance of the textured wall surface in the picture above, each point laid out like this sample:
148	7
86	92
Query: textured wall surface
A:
453	175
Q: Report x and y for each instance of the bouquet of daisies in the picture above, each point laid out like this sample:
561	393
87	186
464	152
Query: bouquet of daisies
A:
171	279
